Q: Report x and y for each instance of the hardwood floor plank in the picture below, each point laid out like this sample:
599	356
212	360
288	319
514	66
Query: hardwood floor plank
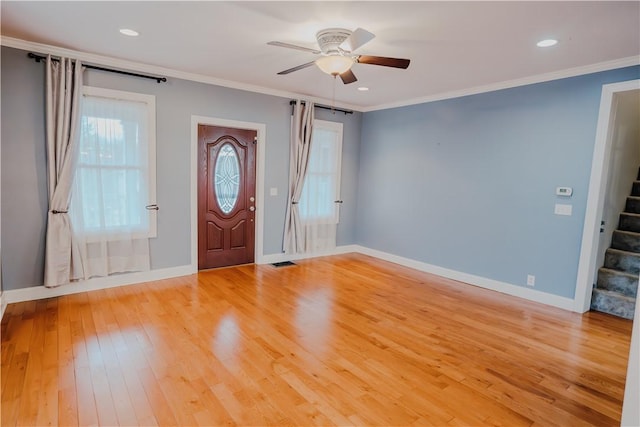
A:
142	408
162	410
68	407
343	340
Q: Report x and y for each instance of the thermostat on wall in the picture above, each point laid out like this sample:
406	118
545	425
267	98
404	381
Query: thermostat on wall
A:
564	191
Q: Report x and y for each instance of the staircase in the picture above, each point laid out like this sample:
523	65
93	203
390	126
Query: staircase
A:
617	285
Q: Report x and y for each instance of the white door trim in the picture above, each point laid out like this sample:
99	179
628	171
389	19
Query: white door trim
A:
261	129
597	189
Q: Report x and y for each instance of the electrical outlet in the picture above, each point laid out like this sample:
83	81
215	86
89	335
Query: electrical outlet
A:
531	280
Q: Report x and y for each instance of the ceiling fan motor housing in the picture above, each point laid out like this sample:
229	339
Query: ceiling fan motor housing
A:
330	39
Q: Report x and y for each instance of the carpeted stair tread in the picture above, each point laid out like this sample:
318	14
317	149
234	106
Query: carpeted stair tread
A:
618	281
617	259
635	188
626	240
629	222
632	205
613	303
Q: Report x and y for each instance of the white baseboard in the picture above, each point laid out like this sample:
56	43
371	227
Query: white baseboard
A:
40	292
272	258
3	304
482	282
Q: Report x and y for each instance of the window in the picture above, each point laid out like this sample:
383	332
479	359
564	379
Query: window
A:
115	175
321	187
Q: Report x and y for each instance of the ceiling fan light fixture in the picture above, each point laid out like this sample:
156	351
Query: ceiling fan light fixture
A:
129	32
334	64
547	43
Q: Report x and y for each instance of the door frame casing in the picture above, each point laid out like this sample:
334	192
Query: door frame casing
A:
261	130
597	189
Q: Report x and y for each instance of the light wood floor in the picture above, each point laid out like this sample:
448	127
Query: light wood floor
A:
342	340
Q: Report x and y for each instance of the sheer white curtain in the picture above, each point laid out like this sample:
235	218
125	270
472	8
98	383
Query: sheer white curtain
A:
299	149
110	191
317	205
63	96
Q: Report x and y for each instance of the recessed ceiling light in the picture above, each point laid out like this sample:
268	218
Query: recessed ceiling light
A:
129	32
363	89
547	43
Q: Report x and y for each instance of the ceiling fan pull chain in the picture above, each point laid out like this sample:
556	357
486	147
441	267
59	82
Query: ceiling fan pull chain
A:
333	97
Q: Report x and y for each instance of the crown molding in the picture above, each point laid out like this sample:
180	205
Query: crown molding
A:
121	64
538	78
201	78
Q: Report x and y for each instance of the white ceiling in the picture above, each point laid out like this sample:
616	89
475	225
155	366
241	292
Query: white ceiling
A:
453	46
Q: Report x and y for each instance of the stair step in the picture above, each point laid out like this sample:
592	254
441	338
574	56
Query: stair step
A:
618	281
613	303
629	262
632	205
635	188
629	222
626	241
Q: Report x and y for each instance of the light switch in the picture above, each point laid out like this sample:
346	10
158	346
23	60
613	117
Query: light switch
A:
273	191
562	209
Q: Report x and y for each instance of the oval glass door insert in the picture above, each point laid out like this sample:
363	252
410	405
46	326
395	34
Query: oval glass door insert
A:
227	178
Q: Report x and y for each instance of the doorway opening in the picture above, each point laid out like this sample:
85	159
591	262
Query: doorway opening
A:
618	101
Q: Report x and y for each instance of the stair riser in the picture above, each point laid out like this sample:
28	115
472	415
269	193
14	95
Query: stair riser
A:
635	190
623	262
632	206
629	223
625	242
618	283
612	305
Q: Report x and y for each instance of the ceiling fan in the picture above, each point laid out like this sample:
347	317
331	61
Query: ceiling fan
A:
336	49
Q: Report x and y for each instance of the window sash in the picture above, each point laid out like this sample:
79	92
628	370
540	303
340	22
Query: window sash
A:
321	188
127	166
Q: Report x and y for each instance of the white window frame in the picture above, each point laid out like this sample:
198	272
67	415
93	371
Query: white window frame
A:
338	128
150	101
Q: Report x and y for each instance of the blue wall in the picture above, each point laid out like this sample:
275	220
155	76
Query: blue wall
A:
466	184
24	178
469	183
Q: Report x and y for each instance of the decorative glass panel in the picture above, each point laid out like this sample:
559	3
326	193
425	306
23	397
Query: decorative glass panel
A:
227	178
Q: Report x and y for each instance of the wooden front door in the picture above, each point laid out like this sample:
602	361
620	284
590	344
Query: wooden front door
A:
226	196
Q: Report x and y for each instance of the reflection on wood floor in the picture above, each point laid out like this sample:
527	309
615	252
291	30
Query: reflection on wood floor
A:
347	340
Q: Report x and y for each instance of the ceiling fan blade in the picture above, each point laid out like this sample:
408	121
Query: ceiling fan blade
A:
348	77
358	38
384	61
299	67
293	46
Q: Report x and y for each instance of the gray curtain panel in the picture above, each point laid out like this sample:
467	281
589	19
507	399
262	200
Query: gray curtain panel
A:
64	87
300	147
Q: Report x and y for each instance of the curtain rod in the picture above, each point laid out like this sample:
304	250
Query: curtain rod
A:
324	107
39	58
